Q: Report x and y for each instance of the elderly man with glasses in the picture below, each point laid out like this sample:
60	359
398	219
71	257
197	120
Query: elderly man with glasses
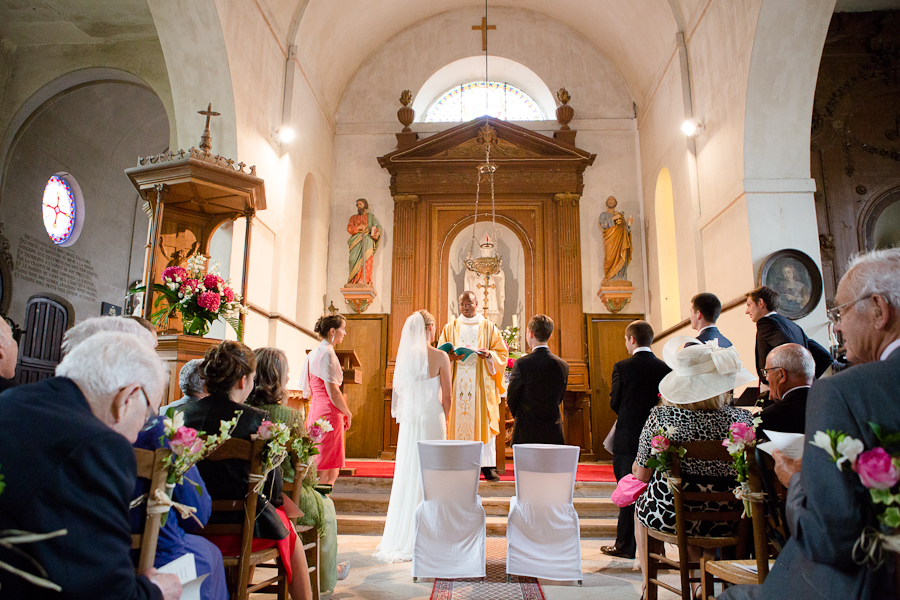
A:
790	370
68	464
826	511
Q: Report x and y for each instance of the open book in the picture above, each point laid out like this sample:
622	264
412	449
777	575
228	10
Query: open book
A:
448	348
186	570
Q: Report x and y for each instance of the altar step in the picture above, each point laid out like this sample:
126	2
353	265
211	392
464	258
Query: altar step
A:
362	504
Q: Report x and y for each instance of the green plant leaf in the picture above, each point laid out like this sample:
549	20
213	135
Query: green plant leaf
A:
891	517
236	324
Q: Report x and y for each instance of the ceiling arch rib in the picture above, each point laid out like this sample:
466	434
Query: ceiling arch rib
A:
334	39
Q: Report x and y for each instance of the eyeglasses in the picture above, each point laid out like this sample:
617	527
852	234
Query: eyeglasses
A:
150	421
466	304
834	314
766	370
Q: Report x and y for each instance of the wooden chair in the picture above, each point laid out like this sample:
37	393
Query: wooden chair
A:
309	537
653	555
149	466
726	570
776	498
238	568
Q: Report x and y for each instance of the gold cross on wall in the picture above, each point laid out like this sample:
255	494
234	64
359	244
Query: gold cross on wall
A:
484	29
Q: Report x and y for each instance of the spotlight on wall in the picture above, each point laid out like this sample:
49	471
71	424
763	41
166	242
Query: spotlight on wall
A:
692	128
284	135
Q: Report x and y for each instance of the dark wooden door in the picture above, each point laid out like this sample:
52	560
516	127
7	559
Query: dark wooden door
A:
606	347
367	335
45	325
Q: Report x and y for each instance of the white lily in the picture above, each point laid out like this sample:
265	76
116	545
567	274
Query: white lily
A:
823	440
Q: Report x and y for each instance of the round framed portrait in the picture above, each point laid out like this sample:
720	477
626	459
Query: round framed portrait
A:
796	278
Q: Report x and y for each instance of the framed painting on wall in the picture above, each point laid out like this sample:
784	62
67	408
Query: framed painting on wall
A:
796	278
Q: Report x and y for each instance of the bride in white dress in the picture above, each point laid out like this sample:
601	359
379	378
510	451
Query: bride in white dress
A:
420	402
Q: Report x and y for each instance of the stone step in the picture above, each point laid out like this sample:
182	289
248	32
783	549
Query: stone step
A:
374	525
377	504
486	489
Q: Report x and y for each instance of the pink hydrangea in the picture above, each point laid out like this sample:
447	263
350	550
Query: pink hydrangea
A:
265	430
209	301
184	439
742	433
189	287
212	282
228	293
876	469
659	444
174	274
316	433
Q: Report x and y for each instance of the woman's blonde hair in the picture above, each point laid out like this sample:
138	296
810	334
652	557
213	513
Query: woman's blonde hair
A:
428	317
714	403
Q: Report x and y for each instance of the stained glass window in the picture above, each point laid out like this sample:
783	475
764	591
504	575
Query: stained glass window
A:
478	98
59	210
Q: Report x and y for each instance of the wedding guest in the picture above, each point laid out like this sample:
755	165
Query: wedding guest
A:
693	408
790	370
827	509
9	356
190	380
229	370
94	325
420	402
270	394
537	385
68	464
321	381
705	311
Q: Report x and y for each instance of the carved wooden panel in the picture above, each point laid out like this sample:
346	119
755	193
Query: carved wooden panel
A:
366	335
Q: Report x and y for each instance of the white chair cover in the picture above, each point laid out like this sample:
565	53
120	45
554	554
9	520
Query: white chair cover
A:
543	538
450	521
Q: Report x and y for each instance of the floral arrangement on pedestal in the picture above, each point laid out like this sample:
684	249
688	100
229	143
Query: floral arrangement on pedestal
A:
878	473
201	296
510	337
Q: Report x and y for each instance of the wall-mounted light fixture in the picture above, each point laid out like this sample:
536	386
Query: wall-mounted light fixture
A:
284	135
692	127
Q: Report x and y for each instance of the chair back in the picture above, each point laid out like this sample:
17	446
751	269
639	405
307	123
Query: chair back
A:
757	514
149	466
450	470
545	473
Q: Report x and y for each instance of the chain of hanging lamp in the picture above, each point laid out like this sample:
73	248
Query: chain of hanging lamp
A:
485	265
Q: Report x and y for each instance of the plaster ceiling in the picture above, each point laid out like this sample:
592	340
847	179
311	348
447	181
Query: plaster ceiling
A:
44	22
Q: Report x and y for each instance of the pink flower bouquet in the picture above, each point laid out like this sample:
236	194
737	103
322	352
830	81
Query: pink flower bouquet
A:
199	296
741	438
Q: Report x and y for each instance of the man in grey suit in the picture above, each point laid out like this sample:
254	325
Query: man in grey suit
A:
826	511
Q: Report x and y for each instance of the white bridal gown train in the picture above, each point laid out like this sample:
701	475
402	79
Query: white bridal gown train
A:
406	492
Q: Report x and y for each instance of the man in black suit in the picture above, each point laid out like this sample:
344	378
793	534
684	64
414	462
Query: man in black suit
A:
634	393
705	311
536	388
827	509
773	330
67	461
790	369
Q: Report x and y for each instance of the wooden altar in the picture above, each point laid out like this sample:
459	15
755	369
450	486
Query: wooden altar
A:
539	181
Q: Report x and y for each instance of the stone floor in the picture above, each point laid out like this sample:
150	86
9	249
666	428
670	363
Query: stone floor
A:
604	577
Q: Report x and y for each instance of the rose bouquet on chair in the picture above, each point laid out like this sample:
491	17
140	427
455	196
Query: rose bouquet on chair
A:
741	438
879	474
661	451
201	296
187	450
306	446
277	437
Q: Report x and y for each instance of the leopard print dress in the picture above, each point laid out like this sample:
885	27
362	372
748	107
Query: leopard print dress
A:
655	508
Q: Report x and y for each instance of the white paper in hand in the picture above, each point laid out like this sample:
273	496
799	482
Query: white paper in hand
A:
790	444
186	570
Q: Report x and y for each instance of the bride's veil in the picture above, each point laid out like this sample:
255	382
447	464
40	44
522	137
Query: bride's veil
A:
411	370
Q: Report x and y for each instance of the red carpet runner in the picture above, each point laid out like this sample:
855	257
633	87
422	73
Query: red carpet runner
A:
494	587
385	469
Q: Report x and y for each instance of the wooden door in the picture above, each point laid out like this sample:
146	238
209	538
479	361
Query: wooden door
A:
367	335
606	347
45	325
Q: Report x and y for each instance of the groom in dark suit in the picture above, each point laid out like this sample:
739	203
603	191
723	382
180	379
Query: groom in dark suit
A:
827	509
536	388
634	392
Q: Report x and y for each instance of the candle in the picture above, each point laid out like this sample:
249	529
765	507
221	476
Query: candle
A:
515	320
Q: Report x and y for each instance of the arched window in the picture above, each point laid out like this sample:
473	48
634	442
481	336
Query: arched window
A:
479	98
667	251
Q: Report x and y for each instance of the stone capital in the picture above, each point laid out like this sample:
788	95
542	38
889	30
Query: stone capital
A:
567	198
411	199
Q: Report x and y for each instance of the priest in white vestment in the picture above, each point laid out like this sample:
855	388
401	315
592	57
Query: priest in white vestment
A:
477	380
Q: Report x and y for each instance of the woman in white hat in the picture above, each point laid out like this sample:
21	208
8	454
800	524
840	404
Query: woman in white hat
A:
694	407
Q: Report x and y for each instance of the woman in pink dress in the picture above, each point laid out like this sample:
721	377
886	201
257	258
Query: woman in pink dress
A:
321	381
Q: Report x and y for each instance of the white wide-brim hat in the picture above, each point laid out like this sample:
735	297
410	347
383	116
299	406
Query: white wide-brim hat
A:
700	371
